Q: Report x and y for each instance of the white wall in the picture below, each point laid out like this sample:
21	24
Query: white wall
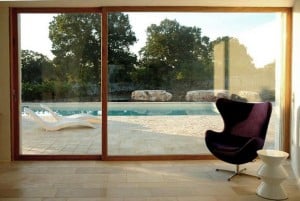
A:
295	136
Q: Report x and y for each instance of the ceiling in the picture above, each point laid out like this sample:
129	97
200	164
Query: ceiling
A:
95	3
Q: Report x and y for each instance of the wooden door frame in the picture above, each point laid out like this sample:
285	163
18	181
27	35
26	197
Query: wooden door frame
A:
15	91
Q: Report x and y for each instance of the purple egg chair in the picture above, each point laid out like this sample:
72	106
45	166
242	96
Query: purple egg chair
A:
245	128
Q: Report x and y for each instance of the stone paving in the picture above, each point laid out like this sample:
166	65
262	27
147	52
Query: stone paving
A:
129	135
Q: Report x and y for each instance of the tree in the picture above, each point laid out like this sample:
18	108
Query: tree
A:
76	44
37	75
35	67
120	38
172	51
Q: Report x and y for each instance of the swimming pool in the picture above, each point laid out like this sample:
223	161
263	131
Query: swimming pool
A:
152	109
131	108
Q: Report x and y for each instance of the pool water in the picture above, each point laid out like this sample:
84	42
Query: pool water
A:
134	109
148	109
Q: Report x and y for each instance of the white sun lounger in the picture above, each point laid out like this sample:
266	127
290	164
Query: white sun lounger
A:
86	117
59	124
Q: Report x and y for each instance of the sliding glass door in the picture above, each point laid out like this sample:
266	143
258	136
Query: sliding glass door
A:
60	83
162	92
92	83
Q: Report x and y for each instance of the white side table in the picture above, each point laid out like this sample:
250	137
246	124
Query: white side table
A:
272	174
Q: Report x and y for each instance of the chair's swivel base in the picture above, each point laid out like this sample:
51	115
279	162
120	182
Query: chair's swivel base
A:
237	172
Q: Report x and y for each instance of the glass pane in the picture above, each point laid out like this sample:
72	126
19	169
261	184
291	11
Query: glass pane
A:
167	69
60	84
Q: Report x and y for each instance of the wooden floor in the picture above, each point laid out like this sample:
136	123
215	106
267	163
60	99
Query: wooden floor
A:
130	181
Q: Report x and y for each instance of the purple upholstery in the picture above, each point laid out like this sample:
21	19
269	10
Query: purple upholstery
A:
245	128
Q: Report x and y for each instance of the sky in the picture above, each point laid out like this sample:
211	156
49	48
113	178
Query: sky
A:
256	31
31	39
